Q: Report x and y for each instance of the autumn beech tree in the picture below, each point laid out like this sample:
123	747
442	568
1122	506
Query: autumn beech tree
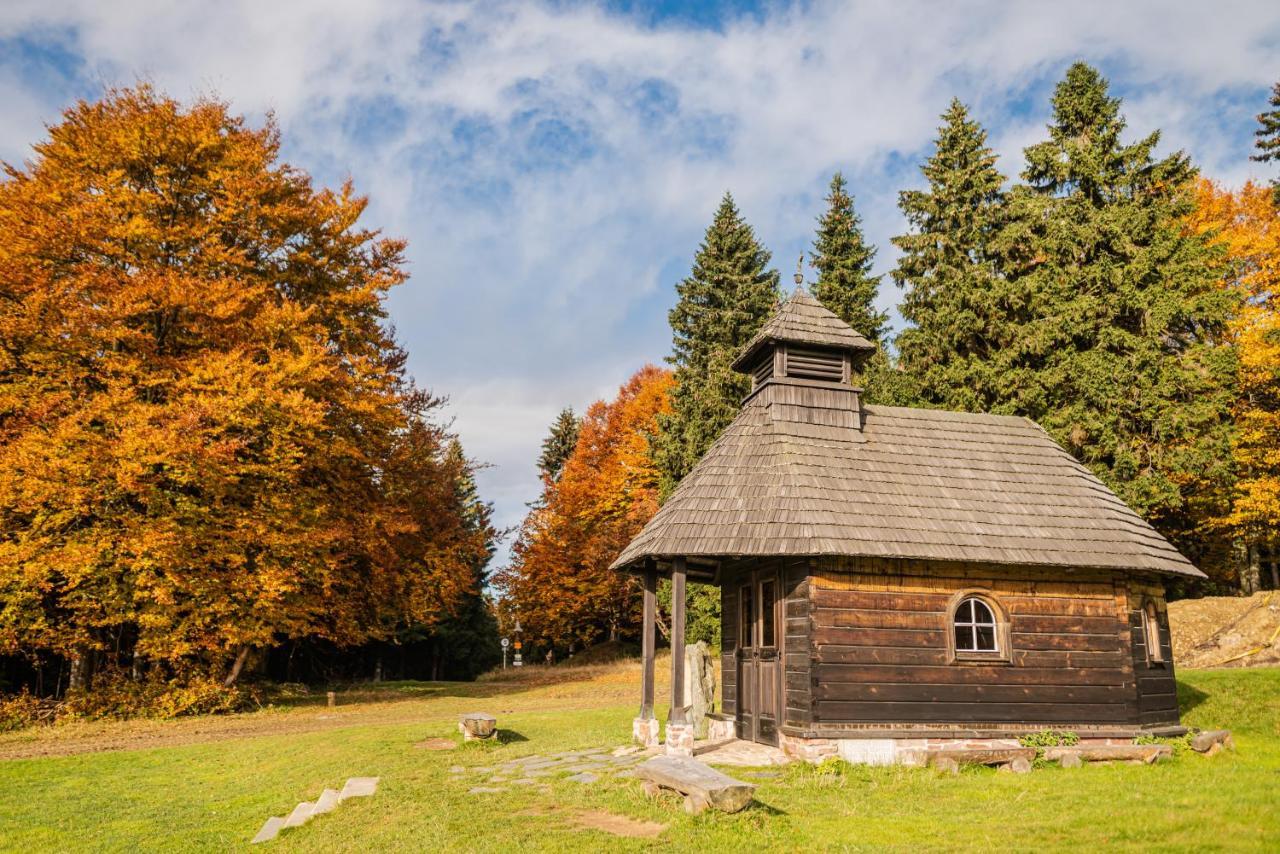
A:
1246	225
207	441
559	583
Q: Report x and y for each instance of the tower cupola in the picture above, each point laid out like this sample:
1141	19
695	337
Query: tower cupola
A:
804	341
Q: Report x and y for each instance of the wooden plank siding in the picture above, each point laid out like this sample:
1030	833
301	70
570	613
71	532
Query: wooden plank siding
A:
729	644
797	665
1156	687
879	652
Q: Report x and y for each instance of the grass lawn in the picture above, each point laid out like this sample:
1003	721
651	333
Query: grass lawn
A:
208	784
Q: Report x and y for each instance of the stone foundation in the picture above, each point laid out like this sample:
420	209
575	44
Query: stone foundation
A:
902	751
645	731
721	728
680	739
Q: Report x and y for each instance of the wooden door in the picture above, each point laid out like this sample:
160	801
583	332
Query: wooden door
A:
759	656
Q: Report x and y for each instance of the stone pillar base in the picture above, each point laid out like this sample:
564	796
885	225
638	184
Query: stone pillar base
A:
644	731
721	729
679	739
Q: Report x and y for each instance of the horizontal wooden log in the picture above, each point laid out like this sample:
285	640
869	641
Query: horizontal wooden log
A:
892	655
887	600
923	693
994	674
1203	742
1156	702
981	756
823	635
1109	642
1111	752
697	780
1031	714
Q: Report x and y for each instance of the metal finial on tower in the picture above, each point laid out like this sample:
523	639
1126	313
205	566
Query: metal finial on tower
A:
799	275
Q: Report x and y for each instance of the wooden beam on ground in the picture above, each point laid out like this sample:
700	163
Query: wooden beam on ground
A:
1147	753
702	785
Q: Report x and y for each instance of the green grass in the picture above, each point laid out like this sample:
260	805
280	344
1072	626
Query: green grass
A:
212	795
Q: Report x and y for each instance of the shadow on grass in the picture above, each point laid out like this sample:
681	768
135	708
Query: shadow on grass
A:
761	806
510	736
1189	697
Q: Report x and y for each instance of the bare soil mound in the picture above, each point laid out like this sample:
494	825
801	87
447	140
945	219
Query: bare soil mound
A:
1226	631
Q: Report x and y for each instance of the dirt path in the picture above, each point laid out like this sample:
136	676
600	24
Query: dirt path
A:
533	690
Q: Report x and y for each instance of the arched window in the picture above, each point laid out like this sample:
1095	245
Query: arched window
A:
975	626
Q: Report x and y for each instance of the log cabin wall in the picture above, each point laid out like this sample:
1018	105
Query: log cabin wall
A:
880	653
1157	690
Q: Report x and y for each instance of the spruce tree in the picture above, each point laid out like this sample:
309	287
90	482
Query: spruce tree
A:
843	259
1121	357
559	444
1267	138
954	296
725	300
466	643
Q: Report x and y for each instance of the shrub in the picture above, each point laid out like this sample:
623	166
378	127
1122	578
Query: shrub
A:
115	695
19	711
1050	738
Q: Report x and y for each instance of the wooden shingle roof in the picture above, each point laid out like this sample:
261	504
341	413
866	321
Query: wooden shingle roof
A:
796	474
804	320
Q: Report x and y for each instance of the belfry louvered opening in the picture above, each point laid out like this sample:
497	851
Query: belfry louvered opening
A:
762	370
813	364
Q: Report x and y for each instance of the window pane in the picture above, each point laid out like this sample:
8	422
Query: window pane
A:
986	638
964	638
766	614
747	630
982	613
964	614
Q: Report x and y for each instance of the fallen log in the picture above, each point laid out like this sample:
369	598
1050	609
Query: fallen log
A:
701	785
1203	742
1147	753
976	756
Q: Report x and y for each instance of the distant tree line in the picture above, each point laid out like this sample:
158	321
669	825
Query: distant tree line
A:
1115	297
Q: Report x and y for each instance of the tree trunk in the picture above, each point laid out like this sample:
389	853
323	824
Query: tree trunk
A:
377	670
81	678
135	671
236	667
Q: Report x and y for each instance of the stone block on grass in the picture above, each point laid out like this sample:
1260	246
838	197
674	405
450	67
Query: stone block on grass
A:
359	787
270	830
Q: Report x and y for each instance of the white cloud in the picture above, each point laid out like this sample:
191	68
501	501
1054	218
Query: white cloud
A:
552	165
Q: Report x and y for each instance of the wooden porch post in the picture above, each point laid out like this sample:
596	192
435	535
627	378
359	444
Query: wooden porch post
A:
678	570
648	625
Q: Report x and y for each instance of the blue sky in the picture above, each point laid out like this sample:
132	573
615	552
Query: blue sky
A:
553	164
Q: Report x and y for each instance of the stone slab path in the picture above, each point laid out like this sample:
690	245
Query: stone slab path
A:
741	753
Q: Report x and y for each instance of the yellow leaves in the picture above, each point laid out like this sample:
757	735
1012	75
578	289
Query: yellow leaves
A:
561	583
201	411
1246	225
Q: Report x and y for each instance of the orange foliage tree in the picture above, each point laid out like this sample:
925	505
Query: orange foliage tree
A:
1246	224
207	442
559	583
